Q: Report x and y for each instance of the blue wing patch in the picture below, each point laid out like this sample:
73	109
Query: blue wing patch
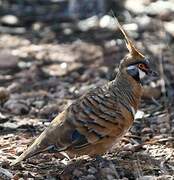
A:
78	140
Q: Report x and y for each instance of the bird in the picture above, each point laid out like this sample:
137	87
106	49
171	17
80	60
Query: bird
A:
97	120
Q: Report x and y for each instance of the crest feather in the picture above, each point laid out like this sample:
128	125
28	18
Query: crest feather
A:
130	46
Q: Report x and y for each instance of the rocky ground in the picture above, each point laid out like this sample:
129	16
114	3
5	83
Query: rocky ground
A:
47	63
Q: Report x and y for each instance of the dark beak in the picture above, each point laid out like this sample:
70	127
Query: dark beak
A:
152	73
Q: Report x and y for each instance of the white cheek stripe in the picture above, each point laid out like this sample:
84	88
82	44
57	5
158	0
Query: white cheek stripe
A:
133	110
141	74
131	67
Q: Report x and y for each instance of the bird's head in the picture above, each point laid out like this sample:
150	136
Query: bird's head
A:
134	64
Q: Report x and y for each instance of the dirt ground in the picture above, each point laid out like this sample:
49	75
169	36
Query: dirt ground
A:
45	65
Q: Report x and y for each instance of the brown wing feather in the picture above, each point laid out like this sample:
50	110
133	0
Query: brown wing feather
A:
88	121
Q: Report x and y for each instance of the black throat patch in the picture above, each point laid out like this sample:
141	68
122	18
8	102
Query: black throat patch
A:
134	73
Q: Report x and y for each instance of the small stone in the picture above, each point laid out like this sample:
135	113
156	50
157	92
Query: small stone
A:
92	170
128	147
10	20
107	22
24	65
165	177
5	174
49	110
10	125
109	177
77	173
146	130
145	138
166	15
159	7
38	104
17	107
14	87
135	6
130	27
7	60
163	130
143	22
88	23
169	27
147	178
90	177
139	114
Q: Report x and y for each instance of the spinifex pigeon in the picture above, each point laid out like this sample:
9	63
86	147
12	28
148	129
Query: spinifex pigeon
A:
96	121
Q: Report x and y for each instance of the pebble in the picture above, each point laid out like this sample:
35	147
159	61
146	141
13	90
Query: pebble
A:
90	177
14	87
77	173
107	22
38	104
5	174
110	177
146	130
143	22
10	20
162	9
7	60
18	107
92	170
139	114
136	6
169	27
9	125
159	7
166	15
48	110
147	178
130	27
88	23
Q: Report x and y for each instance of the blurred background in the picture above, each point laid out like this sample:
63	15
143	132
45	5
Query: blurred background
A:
53	51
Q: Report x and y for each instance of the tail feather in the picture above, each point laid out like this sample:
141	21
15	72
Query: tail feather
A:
39	145
47	141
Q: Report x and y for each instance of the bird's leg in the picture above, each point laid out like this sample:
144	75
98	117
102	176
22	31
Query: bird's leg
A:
52	149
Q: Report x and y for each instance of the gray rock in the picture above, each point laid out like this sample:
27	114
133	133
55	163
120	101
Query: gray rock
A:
49	110
143	22
147	178
10	125
5	174
169	27
14	87
10	20
7	60
17	106
135	6
159	7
